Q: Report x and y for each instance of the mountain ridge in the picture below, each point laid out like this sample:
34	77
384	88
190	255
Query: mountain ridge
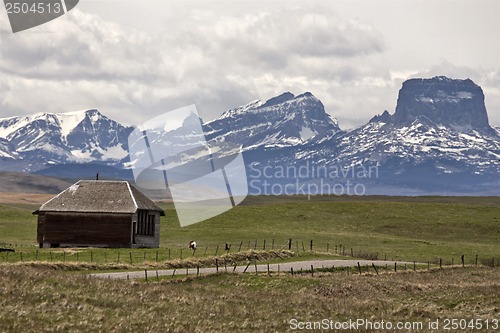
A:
438	140
53	138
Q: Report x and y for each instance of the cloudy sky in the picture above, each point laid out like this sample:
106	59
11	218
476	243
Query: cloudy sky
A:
134	60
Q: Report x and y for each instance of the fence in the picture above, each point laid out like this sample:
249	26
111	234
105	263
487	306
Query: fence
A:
13	253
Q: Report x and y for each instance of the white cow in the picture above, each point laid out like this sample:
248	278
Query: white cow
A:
192	245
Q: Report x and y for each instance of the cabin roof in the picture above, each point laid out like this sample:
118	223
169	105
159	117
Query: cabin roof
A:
100	196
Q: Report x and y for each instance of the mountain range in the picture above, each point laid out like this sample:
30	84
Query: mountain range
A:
438	141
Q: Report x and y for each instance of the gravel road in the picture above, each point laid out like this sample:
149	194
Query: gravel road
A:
286	266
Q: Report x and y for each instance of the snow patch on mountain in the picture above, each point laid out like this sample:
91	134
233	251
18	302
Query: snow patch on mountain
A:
68	121
307	133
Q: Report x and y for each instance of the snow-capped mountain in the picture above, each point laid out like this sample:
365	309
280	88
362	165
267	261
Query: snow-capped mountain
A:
282	121
437	121
438	141
58	138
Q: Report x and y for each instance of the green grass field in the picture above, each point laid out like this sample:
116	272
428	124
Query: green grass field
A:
405	228
41	296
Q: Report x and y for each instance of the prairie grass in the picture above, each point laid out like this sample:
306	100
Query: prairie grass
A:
397	228
45	300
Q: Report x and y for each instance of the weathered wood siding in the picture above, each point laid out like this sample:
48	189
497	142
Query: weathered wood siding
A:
84	229
148	241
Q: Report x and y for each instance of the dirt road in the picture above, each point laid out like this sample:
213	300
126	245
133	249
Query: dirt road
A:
282	267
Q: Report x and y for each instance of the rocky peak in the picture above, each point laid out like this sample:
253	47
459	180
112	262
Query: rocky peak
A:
385	117
284	97
450	102
283	120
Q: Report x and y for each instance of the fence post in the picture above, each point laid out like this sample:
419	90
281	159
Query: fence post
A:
264	247
247	267
375	268
217	265
440	263
272	246
359	268
91	256
476	259
146	274
217	250
289	244
303	248
173	273
311	246
255	264
312	270
327	248
130	256
462	258
395	267
268	271
239	248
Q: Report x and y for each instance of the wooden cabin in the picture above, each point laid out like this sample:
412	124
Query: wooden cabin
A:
99	213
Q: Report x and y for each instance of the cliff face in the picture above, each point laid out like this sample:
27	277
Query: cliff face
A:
443	101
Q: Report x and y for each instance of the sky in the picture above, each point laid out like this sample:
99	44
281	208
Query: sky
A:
134	60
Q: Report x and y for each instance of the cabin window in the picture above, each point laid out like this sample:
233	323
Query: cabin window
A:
145	223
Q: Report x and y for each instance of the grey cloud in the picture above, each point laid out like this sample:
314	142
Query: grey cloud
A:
216	59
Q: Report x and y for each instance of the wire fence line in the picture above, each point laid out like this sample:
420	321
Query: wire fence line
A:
15	253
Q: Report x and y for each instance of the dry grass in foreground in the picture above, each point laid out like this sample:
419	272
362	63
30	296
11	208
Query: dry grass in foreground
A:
191	262
44	300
